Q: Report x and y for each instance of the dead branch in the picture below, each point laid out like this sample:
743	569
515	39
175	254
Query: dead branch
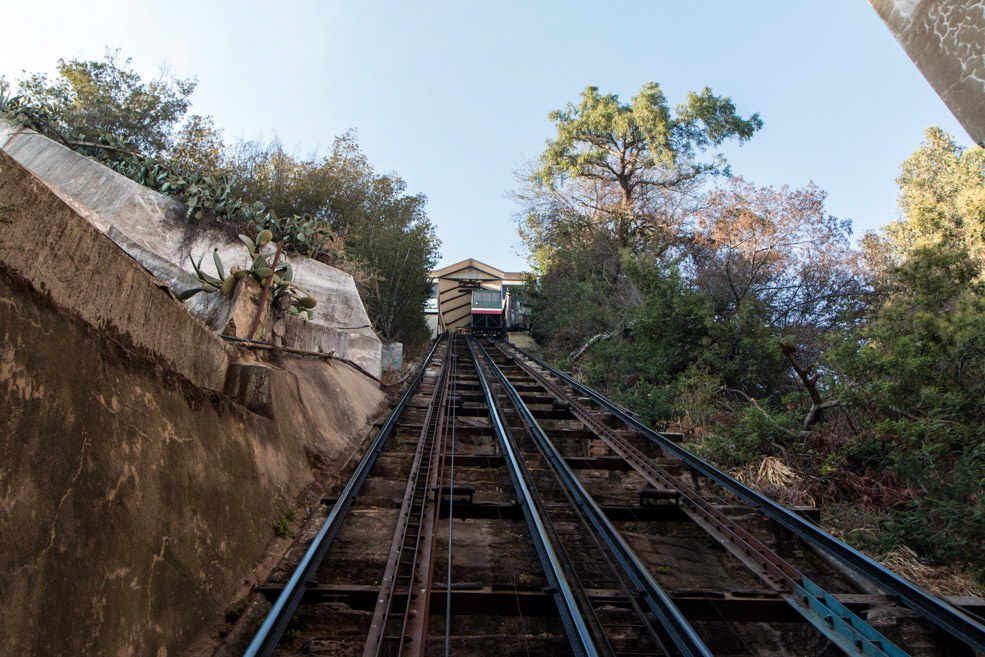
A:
810	383
106	147
596	338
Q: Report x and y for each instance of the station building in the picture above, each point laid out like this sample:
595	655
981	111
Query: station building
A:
473	296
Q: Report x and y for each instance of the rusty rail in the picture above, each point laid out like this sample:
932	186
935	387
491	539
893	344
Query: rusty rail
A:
647	591
851	633
952	620
272	629
409	568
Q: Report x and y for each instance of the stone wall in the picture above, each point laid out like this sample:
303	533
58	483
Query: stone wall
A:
946	40
135	497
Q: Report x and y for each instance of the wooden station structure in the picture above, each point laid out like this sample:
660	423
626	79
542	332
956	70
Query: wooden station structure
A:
470	295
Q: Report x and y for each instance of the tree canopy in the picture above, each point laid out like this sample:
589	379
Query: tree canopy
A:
89	99
623	167
336	207
942	198
744	316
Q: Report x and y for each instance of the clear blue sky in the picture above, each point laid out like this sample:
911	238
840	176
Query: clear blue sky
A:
454	96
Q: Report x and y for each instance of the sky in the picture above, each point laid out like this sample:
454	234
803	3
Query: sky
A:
454	96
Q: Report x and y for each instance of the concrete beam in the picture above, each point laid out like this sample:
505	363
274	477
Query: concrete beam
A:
946	40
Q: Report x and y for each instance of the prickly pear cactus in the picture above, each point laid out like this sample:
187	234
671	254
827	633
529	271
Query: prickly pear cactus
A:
281	277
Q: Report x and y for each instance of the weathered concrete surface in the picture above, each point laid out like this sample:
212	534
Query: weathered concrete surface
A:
157	235
46	242
134	497
297	333
393	357
946	40
214	309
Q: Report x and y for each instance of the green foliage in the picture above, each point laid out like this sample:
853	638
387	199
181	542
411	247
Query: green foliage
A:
753	435
627	246
91	100
336	209
300	234
4	209
696	403
692	312
282	526
640	145
942	198
383	236
627	170
300	302
915	375
674	332
947	523
233	612
579	296
923	353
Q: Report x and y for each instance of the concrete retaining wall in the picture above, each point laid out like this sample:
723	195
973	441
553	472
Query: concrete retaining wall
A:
136	500
151	227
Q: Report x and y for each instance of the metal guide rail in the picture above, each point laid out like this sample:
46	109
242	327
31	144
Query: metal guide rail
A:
272	629
951	619
411	558
556	571
570	550
844	628
658	614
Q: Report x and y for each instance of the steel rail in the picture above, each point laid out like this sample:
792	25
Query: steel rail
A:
584	551
949	618
844	628
572	619
670	618
272	629
411	554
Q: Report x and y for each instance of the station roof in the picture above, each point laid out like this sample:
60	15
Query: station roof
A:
473	270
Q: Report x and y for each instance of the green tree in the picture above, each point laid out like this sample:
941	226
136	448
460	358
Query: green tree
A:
942	198
335	208
397	241
580	294
914	377
198	146
922	353
91	99
617	182
624	167
383	235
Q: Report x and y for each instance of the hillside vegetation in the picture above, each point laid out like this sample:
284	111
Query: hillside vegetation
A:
743	315
333	207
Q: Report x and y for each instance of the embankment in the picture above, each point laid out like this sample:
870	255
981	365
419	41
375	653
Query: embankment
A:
135	496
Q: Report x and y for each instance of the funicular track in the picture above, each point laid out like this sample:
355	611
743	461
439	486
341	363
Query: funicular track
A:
553	520
835	620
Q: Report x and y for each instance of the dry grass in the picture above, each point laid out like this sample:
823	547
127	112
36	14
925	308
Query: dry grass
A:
774	471
772	477
937	579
